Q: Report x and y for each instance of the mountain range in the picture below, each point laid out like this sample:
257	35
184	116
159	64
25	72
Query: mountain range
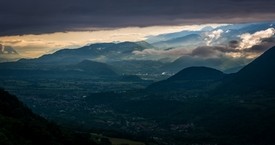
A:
117	56
102	52
196	105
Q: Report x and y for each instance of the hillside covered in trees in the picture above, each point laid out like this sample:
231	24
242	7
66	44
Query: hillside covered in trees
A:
19	126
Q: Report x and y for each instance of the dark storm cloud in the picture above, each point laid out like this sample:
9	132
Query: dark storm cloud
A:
205	51
214	51
233	44
43	16
219	51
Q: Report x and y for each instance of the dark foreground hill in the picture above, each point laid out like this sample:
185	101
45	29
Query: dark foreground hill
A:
258	76
189	78
19	126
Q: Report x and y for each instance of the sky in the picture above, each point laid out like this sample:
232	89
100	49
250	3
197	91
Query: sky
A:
36	27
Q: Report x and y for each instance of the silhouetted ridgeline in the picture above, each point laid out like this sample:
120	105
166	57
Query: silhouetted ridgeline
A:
19	126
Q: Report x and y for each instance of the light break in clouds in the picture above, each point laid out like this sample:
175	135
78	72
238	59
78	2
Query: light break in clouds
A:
36	45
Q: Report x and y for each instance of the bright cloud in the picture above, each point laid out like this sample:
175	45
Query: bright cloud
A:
249	40
212	36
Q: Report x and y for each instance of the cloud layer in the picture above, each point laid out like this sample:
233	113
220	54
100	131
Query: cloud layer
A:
248	46
250	40
45	16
